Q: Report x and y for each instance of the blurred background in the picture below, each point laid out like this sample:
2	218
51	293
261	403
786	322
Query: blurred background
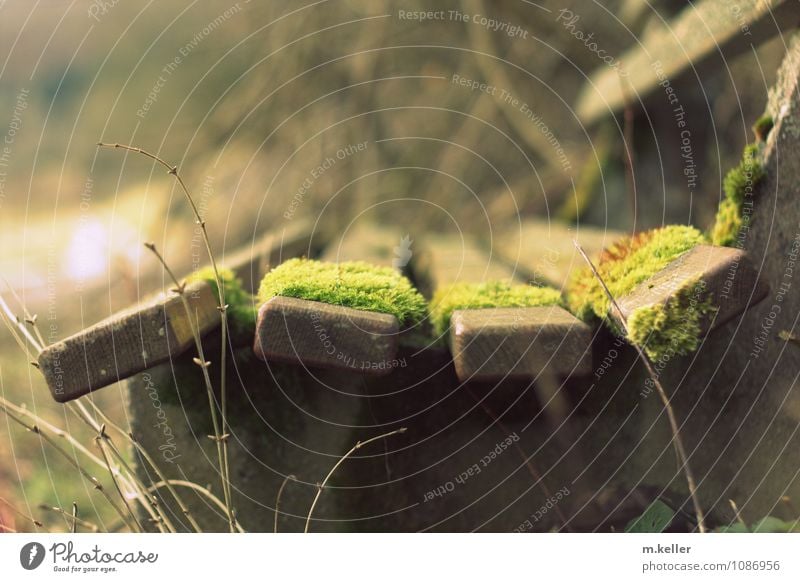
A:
336	111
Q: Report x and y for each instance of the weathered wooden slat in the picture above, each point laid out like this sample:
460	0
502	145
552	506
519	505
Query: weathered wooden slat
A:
381	245
128	342
496	343
731	284
441	261
699	31
317	334
544	252
499	343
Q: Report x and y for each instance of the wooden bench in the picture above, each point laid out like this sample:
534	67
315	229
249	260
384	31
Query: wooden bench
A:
494	343
148	334
317	334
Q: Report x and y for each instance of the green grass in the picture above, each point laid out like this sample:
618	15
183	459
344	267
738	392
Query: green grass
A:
625	265
486	295
353	284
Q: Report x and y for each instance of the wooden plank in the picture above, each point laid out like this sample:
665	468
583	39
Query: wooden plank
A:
494	344
441	261
127	343
666	50
731	283
381	245
544	252
317	334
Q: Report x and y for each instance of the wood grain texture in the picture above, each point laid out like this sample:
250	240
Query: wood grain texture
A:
544	252
499	343
731	283
316	334
127	343
701	30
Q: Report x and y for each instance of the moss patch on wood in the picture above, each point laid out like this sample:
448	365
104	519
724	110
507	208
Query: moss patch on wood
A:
672	328
738	185
626	264
486	295
242	312
763	126
353	284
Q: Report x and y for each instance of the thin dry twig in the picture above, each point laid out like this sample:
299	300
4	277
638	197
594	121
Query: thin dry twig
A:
22	514
195	487
357	446
149	459
219	437
278	499
223	310
73	517
11	412
677	442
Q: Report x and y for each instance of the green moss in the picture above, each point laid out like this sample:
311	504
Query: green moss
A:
738	185
740	180
242	311
763	126
352	284
626	264
727	224
486	295
671	328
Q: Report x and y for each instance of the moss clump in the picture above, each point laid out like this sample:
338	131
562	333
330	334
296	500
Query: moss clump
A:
727	224
763	126
241	305
486	295
353	284
672	328
738	184
740	180
626	264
